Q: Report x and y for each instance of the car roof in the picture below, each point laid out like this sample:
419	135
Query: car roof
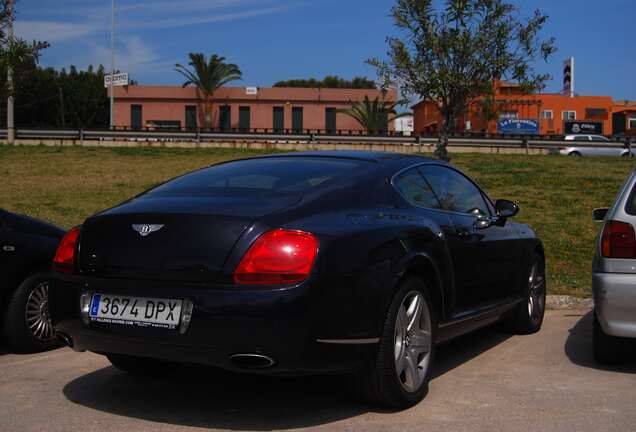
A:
392	160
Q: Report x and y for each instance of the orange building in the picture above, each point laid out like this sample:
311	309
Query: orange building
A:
240	108
549	112
624	118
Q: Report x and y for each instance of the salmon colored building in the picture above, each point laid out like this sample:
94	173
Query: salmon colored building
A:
241	108
548	111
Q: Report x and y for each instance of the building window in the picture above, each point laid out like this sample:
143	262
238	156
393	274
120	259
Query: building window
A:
508	115
568	115
191	117
547	114
244	118
330	120
297	119
279	119
135	117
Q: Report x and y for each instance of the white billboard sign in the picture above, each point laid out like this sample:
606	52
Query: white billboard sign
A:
120	79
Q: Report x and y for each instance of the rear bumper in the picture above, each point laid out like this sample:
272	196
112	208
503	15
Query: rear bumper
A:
615	303
285	324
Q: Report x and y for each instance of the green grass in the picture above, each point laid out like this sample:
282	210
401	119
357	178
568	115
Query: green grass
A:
64	185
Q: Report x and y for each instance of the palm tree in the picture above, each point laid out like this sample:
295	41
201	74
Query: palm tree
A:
374	114
208	76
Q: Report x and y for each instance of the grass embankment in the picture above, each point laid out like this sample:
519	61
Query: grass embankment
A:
556	194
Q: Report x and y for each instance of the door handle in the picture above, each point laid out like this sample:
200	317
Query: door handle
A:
8	248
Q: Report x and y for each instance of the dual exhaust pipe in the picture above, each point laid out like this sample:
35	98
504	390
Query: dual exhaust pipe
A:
242	360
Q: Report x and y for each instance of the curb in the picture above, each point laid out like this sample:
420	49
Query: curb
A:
565	302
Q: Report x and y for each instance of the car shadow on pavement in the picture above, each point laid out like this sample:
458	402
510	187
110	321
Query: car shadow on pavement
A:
578	348
207	397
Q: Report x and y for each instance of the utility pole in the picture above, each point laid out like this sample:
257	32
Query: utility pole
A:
62	116
10	120
112	65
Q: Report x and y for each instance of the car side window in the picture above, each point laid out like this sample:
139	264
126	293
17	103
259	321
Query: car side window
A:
599	139
581	138
416	189
454	191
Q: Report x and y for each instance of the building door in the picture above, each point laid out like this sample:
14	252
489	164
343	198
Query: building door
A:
225	118
135	117
330	120
279	119
297	119
191	117
244	118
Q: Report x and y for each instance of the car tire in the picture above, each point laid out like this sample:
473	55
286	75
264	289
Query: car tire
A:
574	153
606	348
527	317
27	324
399	375
141	366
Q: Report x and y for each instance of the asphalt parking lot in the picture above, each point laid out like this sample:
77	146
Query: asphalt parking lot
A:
484	381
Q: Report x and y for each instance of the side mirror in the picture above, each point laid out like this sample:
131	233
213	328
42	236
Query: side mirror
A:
598	214
506	208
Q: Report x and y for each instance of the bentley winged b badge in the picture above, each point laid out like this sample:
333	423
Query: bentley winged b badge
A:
145	229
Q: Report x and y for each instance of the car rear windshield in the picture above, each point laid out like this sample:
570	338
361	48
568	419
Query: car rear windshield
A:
276	175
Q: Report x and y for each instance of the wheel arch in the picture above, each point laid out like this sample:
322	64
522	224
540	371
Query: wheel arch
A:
421	265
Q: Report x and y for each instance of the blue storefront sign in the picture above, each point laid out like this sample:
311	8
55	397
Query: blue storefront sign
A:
518	126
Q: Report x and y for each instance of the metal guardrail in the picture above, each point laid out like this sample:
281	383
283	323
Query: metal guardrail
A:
348	138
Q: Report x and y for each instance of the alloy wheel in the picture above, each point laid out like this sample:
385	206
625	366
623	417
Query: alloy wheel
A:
412	341
536	292
37	315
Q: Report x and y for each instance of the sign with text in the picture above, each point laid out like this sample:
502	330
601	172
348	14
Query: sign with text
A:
517	126
582	127
120	79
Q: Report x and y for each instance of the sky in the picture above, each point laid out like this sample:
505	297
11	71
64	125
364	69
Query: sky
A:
273	40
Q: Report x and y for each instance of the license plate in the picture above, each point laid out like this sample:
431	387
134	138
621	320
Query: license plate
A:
140	311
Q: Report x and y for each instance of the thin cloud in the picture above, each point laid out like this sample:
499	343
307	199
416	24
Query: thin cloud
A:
180	6
52	31
197	20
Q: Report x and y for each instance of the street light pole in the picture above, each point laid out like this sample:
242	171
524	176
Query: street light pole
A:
112	65
10	120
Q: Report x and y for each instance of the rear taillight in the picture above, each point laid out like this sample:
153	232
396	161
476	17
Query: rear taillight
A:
278	257
64	260
618	240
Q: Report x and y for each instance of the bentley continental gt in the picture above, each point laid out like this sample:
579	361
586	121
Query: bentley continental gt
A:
308	263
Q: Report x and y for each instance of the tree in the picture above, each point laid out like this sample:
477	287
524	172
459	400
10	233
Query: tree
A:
455	54
208	76
330	81
13	52
374	114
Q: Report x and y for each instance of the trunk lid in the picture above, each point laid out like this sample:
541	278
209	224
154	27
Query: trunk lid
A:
170	238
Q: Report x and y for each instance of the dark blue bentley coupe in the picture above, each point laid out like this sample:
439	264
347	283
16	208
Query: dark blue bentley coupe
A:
306	263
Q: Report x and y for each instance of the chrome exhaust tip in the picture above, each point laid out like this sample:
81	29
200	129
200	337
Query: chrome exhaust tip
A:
252	361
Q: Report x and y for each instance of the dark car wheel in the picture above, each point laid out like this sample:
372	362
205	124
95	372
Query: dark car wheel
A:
528	316
27	324
574	153
399	376
607	348
141	365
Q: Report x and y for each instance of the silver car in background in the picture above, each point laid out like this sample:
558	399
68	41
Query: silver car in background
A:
591	150
614	275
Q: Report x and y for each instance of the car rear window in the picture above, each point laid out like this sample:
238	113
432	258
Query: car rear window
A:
278	175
